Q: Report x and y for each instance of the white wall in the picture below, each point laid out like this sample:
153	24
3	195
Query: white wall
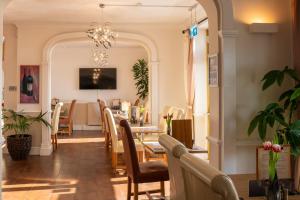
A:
68	58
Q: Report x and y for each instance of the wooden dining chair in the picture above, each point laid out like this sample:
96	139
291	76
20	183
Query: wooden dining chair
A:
102	106
146	172
117	145
55	123
66	122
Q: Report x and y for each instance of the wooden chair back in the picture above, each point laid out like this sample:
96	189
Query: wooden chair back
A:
112	128
131	158
55	118
72	109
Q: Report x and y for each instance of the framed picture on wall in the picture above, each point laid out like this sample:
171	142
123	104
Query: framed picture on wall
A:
213	70
29	84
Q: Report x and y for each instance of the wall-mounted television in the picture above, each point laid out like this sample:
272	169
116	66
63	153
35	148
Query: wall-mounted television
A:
97	78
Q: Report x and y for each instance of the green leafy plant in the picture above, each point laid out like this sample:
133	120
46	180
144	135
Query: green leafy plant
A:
20	123
141	76
280	114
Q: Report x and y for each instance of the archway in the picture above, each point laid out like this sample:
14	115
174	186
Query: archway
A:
223	103
46	147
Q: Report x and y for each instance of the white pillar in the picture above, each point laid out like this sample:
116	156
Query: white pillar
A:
228	91
154	94
46	146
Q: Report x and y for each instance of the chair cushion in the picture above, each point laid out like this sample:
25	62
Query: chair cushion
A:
153	171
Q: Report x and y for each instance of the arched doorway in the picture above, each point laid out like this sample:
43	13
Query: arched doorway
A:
146	43
223	98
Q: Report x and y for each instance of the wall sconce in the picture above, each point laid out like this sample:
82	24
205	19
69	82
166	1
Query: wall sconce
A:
268	28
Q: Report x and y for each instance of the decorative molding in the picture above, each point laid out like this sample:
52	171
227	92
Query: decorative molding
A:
247	142
228	33
214	140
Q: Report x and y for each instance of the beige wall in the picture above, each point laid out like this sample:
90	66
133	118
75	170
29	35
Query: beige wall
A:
10	66
68	58
256	55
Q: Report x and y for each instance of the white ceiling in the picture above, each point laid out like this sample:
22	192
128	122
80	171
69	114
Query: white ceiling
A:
87	11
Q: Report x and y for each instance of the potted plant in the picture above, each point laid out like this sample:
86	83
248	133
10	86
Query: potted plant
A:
279	115
141	76
19	144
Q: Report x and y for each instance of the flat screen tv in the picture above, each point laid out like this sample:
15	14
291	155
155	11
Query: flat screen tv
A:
98	78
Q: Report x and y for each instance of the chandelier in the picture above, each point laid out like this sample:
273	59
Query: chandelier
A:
101	34
100	56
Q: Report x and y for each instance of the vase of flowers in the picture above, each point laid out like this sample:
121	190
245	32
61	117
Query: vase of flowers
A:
273	187
168	119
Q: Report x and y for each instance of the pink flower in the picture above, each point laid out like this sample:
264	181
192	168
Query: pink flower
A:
276	148
267	145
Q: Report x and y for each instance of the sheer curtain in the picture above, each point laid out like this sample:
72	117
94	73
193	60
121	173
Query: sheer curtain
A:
201	89
189	78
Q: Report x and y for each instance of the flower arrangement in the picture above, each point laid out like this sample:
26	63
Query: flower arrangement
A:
168	119
274	149
274	155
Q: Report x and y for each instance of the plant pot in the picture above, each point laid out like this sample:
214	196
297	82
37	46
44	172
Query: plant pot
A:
19	146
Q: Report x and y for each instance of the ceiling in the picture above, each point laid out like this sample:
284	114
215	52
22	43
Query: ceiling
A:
87	11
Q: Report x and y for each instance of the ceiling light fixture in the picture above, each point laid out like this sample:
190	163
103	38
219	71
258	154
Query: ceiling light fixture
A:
102	34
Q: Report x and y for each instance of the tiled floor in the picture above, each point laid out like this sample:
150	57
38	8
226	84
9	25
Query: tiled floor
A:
79	170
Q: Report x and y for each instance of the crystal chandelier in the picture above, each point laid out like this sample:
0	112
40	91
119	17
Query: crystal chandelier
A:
101	34
100	56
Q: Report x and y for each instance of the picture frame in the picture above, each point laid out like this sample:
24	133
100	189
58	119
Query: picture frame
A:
213	65
284	168
29	84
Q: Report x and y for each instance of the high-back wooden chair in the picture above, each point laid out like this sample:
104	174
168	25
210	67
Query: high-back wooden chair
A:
117	145
146	172
66	122
104	124
55	124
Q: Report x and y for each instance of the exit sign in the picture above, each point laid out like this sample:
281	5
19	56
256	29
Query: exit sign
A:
193	31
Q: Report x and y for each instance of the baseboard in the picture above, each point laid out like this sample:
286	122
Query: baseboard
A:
86	128
45	150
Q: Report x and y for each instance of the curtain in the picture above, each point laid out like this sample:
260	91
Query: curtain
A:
189	79
296	62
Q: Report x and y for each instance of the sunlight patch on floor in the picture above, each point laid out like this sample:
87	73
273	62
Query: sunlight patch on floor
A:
79	140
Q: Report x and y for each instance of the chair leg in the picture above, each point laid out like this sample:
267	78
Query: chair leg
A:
140	156
55	140
114	160
136	191
162	188
70	129
52	141
129	188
